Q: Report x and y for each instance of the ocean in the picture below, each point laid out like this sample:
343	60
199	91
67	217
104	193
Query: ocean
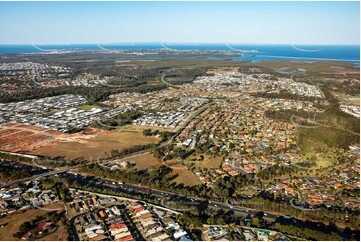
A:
254	53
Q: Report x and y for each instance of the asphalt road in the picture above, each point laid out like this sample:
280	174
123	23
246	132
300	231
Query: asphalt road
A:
132	189
50	172
208	203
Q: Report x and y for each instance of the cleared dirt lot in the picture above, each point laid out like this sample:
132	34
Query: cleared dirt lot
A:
27	138
22	138
90	143
102	143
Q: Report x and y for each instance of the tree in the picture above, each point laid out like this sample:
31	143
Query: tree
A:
147	132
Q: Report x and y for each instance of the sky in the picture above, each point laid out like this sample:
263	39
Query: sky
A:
194	22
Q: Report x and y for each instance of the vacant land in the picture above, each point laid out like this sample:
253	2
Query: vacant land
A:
25	138
13	221
102	143
88	107
22	138
143	161
140	128
185	176
208	161
89	144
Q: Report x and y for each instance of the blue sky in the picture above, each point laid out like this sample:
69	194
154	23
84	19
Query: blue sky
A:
199	22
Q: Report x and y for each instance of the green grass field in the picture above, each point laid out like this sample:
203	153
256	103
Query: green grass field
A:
88	107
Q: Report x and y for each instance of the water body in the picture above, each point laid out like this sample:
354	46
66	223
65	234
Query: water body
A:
254	53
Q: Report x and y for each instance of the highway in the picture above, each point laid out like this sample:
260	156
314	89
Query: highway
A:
132	189
50	172
104	184
195	200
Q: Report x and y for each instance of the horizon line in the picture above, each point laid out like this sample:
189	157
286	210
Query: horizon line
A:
185	43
